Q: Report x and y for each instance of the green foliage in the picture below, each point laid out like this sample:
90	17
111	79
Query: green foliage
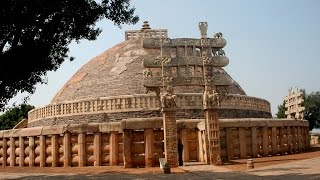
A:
14	115
34	36
312	111
281	110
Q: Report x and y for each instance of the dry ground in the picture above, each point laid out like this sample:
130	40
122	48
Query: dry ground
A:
234	165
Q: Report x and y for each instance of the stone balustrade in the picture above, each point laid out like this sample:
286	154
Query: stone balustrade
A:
140	142
244	138
139	102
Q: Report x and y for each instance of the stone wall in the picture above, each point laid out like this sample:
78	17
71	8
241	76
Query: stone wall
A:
139	142
115	117
139	106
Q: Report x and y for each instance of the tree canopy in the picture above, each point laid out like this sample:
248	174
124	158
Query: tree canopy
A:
34	36
312	111
281	110
14	115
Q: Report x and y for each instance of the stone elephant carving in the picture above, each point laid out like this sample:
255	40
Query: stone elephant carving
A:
218	35
221	52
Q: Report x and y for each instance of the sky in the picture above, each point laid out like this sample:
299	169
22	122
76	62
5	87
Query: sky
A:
272	45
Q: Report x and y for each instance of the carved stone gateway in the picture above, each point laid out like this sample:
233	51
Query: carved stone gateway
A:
188	62
169	107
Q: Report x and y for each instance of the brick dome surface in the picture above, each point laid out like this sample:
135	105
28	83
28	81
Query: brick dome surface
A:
117	71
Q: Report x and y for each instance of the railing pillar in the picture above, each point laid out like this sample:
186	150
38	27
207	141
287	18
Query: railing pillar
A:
97	149
274	140
149	147
254	142
21	153
31	151
289	137
55	150
12	152
114	148
43	153
82	149
229	145
127	148
185	143
67	149
243	143
265	141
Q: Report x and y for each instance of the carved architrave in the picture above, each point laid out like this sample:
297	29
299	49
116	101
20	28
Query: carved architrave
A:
156	62
217	80
210	42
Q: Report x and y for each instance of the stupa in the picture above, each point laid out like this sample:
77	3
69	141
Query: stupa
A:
136	103
110	86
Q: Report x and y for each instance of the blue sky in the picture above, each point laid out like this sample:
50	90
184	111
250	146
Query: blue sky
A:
272	45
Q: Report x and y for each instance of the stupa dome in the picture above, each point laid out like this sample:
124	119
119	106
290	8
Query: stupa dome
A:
118	71
110	87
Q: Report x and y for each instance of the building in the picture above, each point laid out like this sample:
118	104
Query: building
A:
294	104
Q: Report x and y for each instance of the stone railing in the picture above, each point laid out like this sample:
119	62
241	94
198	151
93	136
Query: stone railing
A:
139	102
243	138
140	142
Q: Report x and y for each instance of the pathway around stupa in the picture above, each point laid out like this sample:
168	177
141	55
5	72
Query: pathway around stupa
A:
302	169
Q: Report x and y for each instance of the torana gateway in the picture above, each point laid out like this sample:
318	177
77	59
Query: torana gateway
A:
134	103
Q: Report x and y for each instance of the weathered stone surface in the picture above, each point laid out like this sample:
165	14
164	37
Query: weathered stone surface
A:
54	129
289	122
7	133
35	131
274	123
142	123
15	132
83	128
188	123
111	126
108	74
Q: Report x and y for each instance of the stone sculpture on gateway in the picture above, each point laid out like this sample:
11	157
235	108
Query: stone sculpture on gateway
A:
168	99
210	97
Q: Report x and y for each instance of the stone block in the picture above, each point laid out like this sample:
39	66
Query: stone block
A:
7	133
303	123
188	123
83	128
15	132
225	123
35	131
258	122
1	134
245	122
111	126
289	122
47	130
274	123
142	123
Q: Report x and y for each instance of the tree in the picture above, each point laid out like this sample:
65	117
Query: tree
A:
281	110
14	115
34	36
312	109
